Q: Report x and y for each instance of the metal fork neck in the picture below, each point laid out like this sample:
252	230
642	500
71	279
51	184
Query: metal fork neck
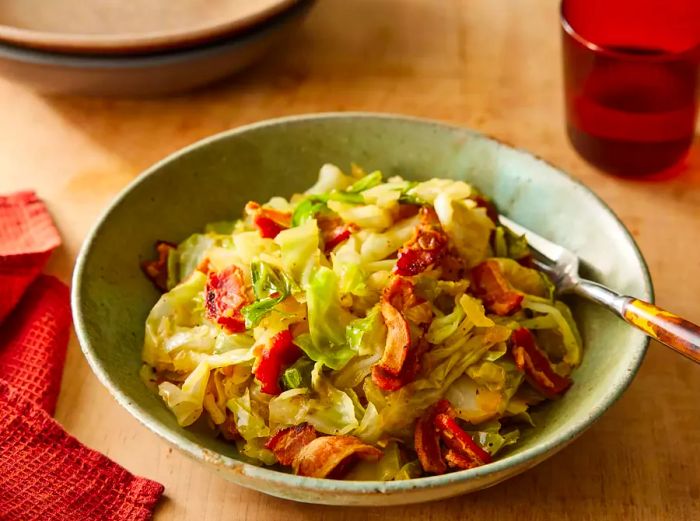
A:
600	294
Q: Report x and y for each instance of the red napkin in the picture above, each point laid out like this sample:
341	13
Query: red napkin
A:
46	474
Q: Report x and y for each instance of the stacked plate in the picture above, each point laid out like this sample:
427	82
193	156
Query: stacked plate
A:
137	47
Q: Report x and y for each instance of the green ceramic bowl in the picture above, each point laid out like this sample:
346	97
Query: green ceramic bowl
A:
213	179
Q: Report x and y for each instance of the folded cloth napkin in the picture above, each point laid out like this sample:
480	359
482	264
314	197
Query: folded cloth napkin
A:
46	474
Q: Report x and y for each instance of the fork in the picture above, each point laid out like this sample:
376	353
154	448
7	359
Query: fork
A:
562	265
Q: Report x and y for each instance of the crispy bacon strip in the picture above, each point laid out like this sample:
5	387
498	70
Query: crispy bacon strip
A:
228	429
489	284
287	443
334	231
404	211
453	266
276	356
491	210
386	381
339	237
398	339
530	359
400	361
460	441
462	452
204	266
527	261
411	367
327	456
456	460
425	248
225	296
268	221
157	270
427	443
401	293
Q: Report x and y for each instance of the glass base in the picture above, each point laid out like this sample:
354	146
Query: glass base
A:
630	158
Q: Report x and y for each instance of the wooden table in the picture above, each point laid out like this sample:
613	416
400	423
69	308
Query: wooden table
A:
490	65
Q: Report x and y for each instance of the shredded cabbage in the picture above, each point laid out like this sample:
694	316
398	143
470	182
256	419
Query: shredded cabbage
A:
299	251
347	264
180	308
328	321
191	252
386	469
187	402
561	315
443	327
317	326
330	177
526	280
468	227
493	438
327	408
429	191
474	310
367	217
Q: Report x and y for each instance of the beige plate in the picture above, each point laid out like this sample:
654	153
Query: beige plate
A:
133	26
147	75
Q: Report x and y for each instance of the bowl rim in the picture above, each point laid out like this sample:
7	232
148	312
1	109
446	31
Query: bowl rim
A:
122	43
41	57
532	455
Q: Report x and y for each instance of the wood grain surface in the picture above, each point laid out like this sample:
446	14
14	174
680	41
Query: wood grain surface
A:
490	65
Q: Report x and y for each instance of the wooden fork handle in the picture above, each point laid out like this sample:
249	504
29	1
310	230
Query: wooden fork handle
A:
672	330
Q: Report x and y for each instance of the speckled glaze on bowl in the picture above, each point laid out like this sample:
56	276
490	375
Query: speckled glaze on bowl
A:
212	180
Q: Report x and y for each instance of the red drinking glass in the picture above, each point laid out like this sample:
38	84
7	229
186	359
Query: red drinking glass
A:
631	79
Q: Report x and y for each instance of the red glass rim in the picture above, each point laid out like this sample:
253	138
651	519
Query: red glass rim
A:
617	53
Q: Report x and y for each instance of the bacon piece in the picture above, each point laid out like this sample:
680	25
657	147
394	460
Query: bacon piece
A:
491	286
204	266
530	359
400	361
445	407
157	270
268	221
225	296
414	260
527	261
386	381
277	355
411	367
287	443
340	236
398	339
456	460
409	371
460	441
427	443
323	456
405	211
228	429
453	266
401	293
425	248
462	451
385	373
334	231
491	210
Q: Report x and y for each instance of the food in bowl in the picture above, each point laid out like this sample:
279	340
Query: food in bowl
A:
365	329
